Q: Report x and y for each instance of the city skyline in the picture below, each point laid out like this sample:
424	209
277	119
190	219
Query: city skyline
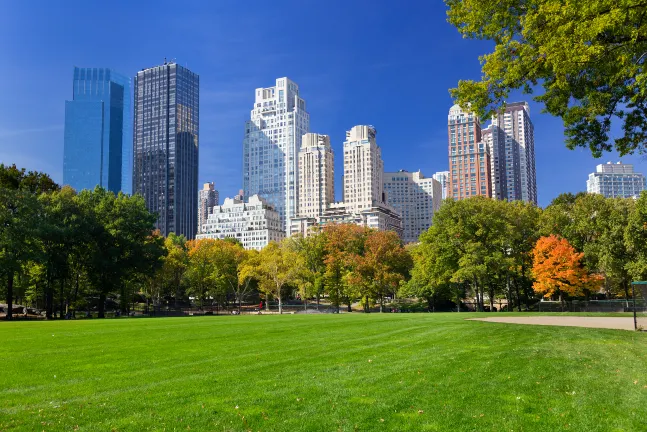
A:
342	90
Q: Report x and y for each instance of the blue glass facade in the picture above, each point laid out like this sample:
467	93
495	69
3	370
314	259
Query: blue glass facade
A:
98	132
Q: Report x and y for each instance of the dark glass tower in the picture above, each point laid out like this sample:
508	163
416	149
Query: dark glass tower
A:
98	131
165	168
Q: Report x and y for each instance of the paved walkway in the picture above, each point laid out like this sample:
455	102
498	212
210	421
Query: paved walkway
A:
620	323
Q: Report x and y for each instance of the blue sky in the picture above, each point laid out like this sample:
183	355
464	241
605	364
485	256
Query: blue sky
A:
384	63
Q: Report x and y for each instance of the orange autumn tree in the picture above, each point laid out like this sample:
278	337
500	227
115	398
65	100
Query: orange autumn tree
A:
558	268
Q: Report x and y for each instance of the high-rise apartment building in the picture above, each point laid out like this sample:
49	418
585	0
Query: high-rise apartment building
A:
469	159
444	179
363	169
511	144
208	198
254	223
416	198
98	131
616	181
316	175
167	112
271	145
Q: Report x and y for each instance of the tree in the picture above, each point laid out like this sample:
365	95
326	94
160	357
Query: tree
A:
344	244
200	274
19	210
558	268
312	250
589	58
175	263
123	244
278	265
381	268
636	239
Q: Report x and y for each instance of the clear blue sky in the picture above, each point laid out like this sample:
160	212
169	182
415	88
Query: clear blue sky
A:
384	63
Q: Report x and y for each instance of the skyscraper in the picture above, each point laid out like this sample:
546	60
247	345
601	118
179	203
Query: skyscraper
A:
416	197
511	143
363	169
469	159
208	198
443	178
316	175
616	181
98	131
272	141
166	145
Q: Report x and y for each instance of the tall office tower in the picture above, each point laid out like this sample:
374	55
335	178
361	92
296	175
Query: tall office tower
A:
511	143
416	197
469	159
363	170
166	146
443	178
208	198
98	131
616	181
316	175
271	145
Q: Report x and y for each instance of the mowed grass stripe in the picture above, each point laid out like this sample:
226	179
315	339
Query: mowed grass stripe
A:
426	372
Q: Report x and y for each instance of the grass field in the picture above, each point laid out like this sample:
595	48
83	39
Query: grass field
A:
398	372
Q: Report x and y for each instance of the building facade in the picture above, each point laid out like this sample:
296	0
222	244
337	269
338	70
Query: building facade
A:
469	159
510	140
363	169
98	131
416	198
443	178
272	141
316	175
616	181
208	198
165	172
254	223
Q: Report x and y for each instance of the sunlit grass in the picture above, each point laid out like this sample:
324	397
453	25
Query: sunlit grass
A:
322	373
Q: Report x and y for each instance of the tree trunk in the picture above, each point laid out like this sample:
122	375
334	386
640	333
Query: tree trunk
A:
102	305
280	303
49	297
10	276
76	293
516	289
381	304
491	295
62	299
625	287
348	301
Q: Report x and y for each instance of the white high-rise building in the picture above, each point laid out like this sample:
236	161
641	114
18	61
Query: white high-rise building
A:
206	201
511	142
316	175
415	197
254	223
616	181
271	145
363	169
443	178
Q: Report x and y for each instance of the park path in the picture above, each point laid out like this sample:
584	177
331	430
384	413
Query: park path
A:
620	323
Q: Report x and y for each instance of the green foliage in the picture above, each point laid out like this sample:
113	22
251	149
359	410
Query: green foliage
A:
588	57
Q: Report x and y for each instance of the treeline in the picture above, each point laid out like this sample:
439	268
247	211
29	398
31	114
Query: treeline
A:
60	249
64	252
581	245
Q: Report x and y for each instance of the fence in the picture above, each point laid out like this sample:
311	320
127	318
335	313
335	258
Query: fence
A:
608	306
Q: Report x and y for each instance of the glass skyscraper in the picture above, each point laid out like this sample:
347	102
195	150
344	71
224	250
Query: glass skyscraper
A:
98	131
165	170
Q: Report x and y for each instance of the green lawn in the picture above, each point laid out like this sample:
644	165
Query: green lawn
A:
399	372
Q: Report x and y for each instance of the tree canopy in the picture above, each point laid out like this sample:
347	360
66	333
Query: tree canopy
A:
588	57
